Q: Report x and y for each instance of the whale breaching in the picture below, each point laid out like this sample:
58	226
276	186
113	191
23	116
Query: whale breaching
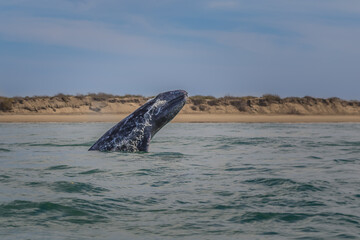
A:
134	133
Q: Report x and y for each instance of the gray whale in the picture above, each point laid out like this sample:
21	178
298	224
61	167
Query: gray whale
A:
135	132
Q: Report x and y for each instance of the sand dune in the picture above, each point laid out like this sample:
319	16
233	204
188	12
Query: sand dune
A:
108	108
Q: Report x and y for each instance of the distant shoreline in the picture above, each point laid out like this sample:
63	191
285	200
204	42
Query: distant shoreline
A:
102	103
183	118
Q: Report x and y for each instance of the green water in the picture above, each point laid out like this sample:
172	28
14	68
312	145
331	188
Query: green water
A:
199	181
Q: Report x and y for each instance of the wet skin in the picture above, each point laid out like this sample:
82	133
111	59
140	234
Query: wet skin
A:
134	133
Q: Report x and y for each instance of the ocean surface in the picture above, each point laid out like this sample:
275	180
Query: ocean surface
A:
199	181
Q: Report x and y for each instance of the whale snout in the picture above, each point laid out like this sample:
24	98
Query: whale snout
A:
173	95
185	93
181	94
178	97
177	93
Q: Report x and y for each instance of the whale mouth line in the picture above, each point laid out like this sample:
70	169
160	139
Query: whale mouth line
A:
177	99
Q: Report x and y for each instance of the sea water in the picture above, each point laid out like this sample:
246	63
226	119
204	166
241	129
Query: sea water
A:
199	181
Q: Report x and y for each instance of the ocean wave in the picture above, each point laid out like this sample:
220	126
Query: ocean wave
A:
76	187
86	144
250	217
39	212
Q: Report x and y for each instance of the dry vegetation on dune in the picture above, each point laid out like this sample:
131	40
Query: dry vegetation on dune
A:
63	103
273	104
108	103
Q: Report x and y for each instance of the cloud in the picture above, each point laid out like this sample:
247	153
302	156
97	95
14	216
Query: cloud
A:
84	35
215	47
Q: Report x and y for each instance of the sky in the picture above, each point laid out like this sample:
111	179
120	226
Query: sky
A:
207	47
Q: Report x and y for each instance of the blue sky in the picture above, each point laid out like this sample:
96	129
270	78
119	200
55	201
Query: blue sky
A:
207	47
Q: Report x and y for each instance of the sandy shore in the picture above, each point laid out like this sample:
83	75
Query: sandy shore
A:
190	118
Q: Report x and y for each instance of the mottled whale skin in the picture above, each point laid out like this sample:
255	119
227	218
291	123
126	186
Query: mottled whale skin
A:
134	133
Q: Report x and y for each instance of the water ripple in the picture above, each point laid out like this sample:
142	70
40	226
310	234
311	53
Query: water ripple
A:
76	187
250	217
199	181
56	212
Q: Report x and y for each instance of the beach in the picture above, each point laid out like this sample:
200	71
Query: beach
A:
184	118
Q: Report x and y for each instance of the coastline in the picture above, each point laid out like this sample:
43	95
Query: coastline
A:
183	118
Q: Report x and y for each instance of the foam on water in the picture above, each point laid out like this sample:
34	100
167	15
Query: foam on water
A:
199	181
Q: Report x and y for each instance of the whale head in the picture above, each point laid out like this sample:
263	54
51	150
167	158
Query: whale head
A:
164	107
135	132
